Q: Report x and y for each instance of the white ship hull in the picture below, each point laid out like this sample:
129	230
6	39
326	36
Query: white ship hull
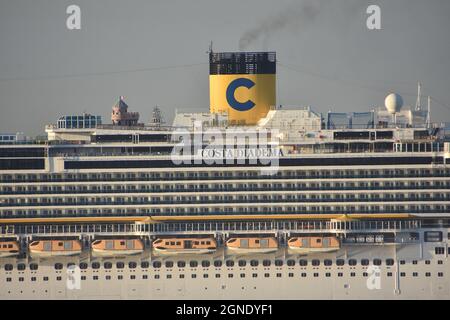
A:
418	273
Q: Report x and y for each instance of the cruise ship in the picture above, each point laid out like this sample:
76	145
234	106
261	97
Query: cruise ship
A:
247	201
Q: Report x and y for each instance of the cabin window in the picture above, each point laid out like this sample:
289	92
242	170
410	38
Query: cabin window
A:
266	263
278	263
83	265
133	265
389	262
34	266
315	262
364	262
145	264
254	263
205	264
157	264
352	262
107	265
303	262
208	243
181	264
327	262
120	265
242	263
229	263
95	265
193	264
196	243
377	262
58	266
439	250
340	262
217	263
21	266
169	264
8	267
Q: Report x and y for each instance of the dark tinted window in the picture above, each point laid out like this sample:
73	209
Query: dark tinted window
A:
230	263
205	263
193	264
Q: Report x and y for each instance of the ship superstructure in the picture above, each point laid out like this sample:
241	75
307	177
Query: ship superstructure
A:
338	205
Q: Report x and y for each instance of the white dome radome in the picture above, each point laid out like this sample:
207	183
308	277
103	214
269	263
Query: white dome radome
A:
393	103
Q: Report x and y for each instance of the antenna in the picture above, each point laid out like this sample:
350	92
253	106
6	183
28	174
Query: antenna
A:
419	96
210	50
429	113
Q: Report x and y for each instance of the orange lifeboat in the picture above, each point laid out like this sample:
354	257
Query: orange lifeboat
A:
117	247
53	248
9	249
252	245
185	245
313	244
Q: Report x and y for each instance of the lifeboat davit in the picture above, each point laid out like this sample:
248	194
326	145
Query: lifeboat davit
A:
185	245
9	249
117	247
55	248
314	244
252	245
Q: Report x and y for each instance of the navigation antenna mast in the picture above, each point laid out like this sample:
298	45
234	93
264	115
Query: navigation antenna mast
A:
419	96
429	113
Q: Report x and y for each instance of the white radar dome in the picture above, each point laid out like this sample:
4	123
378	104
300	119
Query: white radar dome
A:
393	103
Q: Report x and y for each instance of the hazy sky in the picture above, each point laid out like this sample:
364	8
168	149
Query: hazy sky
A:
328	58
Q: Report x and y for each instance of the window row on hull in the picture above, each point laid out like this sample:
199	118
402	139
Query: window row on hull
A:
152	187
325	199
235	174
350	161
249	209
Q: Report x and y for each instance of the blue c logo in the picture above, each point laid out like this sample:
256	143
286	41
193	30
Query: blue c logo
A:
236	105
